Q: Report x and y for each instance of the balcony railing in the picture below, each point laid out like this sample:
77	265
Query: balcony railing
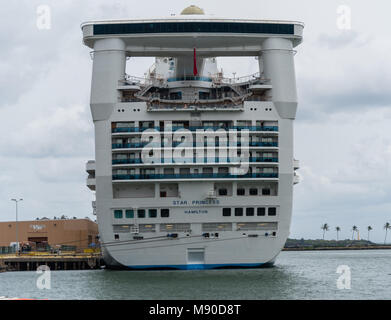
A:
158	79
191	106
216	144
187	145
193	176
197	160
239	128
190	78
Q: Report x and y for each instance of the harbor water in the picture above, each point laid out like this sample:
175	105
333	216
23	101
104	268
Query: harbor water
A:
296	275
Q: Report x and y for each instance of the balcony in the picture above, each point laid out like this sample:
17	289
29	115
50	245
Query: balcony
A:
132	129
193	176
296	164
90	166
197	160
190	78
187	145
91	183
296	178
172	129
126	161
209	106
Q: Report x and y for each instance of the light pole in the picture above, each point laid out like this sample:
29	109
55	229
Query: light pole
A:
16	205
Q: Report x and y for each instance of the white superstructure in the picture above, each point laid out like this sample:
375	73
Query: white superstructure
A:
193	170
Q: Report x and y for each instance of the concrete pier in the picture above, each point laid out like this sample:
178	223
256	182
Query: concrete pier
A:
54	262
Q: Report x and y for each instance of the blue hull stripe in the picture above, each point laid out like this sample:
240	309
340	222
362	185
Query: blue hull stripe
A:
198	266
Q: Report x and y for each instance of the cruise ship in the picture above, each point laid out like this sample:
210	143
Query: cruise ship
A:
192	169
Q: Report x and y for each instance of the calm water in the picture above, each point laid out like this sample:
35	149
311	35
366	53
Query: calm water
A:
297	275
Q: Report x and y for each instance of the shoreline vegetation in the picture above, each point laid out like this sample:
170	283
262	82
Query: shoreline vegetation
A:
319	244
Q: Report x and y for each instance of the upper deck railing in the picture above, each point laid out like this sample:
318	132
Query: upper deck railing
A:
233	100
215	79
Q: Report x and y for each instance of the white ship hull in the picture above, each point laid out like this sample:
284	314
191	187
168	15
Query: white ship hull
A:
196	213
231	251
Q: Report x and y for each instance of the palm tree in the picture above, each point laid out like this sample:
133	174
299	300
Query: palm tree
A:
325	227
386	227
369	229
354	229
338	229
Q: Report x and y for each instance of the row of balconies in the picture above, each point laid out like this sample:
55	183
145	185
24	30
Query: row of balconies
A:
161	129
188	145
193	176
91	181
195	160
296	176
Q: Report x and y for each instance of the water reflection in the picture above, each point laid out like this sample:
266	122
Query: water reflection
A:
297	275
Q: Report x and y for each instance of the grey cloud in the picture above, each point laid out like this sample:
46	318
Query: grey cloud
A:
344	39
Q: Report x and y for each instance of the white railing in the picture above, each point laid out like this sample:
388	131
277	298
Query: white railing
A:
216	78
239	80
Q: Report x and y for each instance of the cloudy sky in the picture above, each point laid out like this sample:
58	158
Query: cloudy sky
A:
342	130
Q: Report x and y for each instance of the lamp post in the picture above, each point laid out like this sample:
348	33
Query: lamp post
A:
16	206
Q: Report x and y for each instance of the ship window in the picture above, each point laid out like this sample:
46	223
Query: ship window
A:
223	170
253	191
261	211
266	192
203	95
165	213
166	27
223	192
121	156
118	214
116	237
184	171
129	213
267	170
226	212
163	194
241	192
152	213
272	211
238	212
176	95
167	171
249	212
140	213
207	170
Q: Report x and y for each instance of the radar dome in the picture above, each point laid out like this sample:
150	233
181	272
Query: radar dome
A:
192	10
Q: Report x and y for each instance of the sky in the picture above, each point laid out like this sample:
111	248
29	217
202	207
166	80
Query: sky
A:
342	130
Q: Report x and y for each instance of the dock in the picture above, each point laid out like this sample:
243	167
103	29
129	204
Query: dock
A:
14	262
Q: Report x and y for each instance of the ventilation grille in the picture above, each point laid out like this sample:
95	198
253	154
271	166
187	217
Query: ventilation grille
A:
174	227
217	226
252	226
122	228
147	228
